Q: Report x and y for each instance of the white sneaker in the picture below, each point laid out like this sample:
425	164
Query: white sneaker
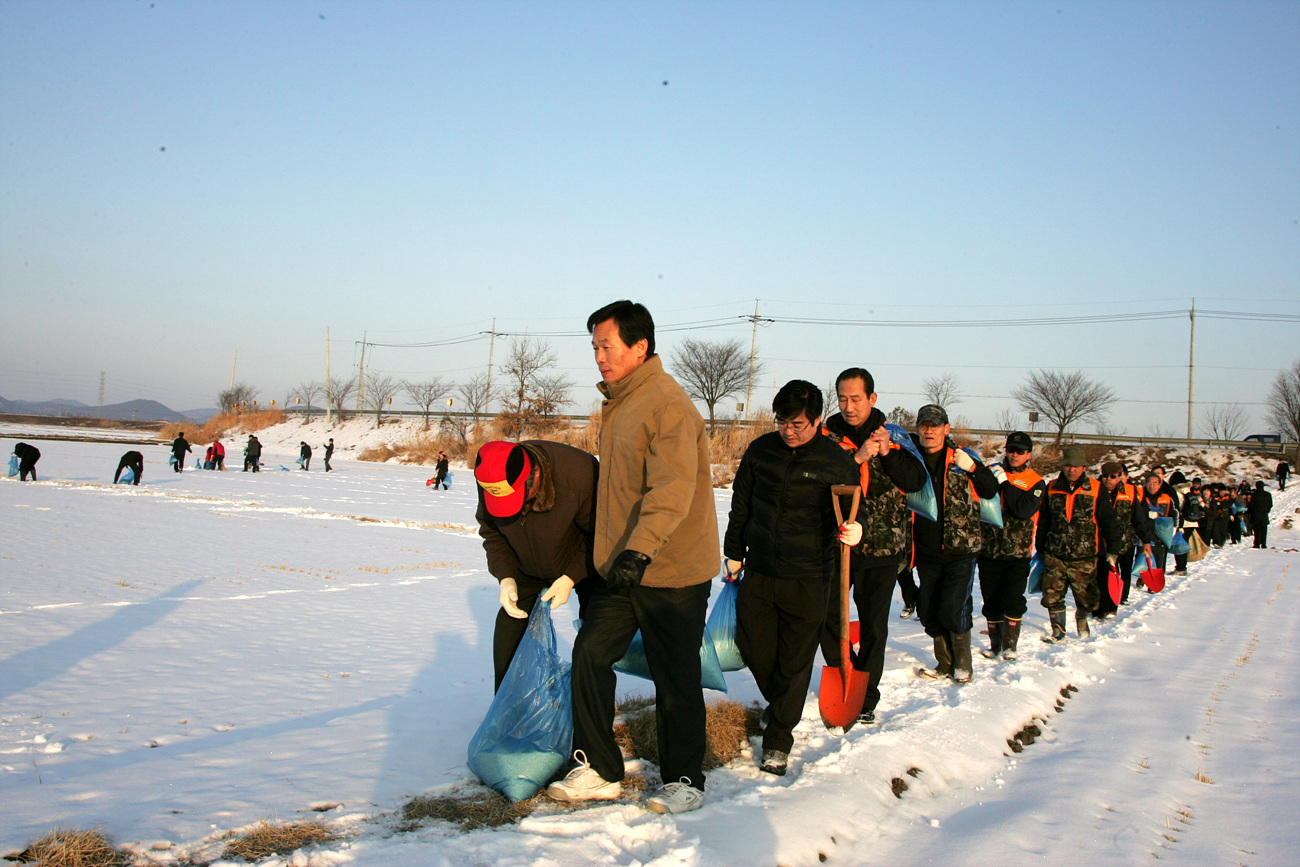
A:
676	798
584	784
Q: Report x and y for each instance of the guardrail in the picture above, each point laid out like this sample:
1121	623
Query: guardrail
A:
1172	442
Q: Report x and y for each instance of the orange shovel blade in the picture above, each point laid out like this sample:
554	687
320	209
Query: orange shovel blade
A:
842	692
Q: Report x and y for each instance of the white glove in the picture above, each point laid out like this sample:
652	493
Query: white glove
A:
1112	560
558	593
733	568
850	534
999	473
510	598
963	460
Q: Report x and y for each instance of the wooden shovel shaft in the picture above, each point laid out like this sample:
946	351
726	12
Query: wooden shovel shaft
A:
838	491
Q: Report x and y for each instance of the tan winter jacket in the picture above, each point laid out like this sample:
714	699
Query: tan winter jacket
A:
655	490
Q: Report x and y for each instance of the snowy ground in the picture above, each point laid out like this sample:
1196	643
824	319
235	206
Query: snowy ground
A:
209	649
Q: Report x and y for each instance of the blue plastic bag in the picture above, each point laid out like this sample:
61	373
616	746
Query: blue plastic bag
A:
922	502
1165	530
171	460
1035	574
721	628
13	466
527	734
990	508
127	478
1179	545
634	662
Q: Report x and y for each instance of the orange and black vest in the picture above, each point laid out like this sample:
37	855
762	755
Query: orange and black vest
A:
883	512
1072	531
1014	540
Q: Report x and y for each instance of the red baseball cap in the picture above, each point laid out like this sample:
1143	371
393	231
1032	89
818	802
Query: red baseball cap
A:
502	470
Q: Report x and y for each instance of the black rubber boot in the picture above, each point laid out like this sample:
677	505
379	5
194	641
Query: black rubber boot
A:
943	658
1058	627
997	628
961	661
1081	624
1011	639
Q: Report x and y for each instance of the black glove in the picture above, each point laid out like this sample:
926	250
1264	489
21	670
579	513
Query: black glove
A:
627	570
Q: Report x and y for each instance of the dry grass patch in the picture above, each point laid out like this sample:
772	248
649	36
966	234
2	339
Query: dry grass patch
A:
71	847
728	725
266	839
221	426
468	808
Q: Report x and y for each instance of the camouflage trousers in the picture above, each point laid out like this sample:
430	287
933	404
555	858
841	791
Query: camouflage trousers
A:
1077	575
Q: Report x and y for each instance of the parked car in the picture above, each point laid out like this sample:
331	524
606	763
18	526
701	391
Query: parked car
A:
1262	438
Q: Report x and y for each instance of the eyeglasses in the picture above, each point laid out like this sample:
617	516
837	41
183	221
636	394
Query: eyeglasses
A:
1114	475
793	426
1017	451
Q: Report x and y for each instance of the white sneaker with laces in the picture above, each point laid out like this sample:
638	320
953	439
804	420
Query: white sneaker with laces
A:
679	797
584	784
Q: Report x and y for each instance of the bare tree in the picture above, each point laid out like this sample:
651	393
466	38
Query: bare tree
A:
1064	398
1284	406
1224	421
338	391
904	418
308	393
425	394
551	393
711	371
380	391
942	390
1006	421
474	396
528	391
240	397
1160	432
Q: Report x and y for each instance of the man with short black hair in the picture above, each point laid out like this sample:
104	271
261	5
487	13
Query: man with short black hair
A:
781	531
133	461
1131	518
656	546
1261	503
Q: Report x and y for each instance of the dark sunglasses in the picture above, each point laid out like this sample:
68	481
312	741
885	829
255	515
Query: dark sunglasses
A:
1017	451
1114	475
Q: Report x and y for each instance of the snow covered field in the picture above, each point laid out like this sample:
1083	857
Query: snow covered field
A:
187	657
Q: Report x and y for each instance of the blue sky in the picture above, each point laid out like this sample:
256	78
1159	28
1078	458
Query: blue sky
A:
182	181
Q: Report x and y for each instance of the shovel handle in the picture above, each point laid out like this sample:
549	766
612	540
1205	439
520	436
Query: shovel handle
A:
838	491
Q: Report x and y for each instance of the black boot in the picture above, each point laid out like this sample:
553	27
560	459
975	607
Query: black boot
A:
997	629
1081	624
943	658
1058	627
1010	639
961	661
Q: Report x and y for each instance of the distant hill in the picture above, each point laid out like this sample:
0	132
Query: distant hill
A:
132	410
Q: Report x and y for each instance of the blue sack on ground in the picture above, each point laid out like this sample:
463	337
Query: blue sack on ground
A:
527	735
923	502
1179	544
721	628
13	465
1035	575
635	663
991	508
127	478
1165	530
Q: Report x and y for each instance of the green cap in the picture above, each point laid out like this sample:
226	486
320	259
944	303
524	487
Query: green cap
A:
1074	457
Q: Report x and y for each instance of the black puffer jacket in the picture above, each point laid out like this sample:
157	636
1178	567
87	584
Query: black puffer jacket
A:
782	521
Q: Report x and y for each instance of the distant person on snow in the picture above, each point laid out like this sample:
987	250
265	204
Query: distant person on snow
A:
304	455
180	448
1283	470
253	454
536	515
1261	502
27	458
133	461
440	472
218	455
329	453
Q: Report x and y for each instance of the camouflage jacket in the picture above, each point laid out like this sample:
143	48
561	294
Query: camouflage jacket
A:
1014	540
1075	519
959	507
1124	501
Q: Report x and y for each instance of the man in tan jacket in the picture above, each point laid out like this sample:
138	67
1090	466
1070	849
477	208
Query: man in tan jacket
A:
656	547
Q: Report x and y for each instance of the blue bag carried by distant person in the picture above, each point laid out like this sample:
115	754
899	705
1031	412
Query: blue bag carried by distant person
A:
923	502
527	735
1179	545
1035	574
13	466
1164	528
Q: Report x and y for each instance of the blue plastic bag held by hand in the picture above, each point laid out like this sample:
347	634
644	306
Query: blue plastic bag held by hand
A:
527	734
1179	544
923	502
990	508
721	628
1165	530
13	466
1035	574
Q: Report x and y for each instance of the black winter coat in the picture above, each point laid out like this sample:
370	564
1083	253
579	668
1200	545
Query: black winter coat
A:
782	520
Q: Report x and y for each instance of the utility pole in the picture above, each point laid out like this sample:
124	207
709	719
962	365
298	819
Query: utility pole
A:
492	345
753	347
1191	367
232	372
329	405
361	376
101	394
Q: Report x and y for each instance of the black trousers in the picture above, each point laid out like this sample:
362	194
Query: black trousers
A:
907	583
327	462
1261	532
1125	567
671	621
180	462
778	625
1002	584
26	468
873	592
510	631
943	600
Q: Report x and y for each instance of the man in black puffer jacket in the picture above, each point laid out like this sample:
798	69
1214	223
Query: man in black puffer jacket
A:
782	531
